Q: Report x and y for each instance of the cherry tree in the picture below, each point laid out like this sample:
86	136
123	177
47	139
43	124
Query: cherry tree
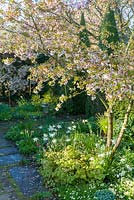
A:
83	44
13	80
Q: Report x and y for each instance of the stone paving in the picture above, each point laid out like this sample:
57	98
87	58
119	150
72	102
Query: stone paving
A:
17	181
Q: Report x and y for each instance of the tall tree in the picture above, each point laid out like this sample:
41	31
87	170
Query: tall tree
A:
52	28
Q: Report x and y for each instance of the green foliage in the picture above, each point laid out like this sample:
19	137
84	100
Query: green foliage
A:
127	187
27	146
28	109
120	109
41	58
87	125
79	191
23	135
51	99
104	195
15	133
30	106
78	160
93	107
41	195
108	31
120	168
74	160
102	123
5	112
84	36
37	102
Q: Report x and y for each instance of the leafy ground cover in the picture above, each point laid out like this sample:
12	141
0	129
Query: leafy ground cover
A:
24	110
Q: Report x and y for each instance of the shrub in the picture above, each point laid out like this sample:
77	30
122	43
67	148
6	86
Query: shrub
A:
27	146
126	188
15	133
24	136
77	160
5	112
28	109
104	195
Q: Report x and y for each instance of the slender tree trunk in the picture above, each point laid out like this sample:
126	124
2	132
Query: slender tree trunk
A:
30	88
126	117
9	97
110	128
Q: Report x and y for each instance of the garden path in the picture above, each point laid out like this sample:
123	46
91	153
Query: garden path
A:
19	179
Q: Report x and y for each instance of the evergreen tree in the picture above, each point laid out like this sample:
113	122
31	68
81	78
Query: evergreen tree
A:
108	32
84	33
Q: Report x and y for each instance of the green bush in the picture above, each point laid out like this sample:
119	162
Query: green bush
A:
23	134
27	146
5	112
28	109
23	114
104	195
126	187
77	160
15	133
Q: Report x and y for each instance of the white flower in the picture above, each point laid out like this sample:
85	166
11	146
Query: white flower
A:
101	155
54	141
59	126
108	153
35	139
106	77
45	137
122	160
68	139
118	175
51	128
58	107
74	126
52	134
93	98
68	131
40	127
122	173
84	120
113	141
129	168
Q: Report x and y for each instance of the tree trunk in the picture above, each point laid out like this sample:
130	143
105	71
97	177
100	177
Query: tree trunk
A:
126	117
110	128
9	97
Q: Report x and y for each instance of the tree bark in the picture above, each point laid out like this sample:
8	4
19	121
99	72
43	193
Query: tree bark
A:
126	117
110	128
